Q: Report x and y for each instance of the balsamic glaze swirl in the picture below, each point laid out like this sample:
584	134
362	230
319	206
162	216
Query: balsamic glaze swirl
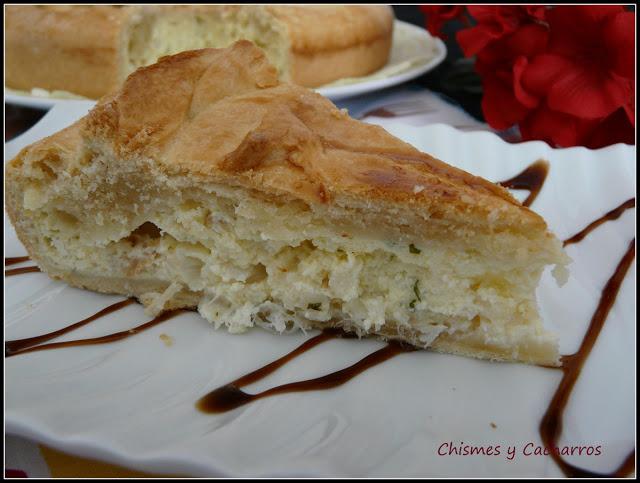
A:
531	179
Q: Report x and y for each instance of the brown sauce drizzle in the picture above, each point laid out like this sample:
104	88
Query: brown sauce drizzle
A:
22	346
230	396
551	425
531	179
13	347
18	271
611	215
13	260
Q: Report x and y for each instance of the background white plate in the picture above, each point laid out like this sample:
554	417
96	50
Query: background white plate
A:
132	402
414	52
19	98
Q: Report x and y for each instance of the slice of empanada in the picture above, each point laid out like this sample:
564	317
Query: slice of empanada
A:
207	183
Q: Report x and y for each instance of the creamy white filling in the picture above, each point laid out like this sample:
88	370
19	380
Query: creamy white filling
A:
252	263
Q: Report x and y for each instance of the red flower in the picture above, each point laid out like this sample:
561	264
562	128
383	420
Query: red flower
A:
501	65
438	15
589	69
502	35
496	22
565	75
528	40
584	85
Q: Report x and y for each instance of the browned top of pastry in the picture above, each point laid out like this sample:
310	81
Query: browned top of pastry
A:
315	28
222	115
312	28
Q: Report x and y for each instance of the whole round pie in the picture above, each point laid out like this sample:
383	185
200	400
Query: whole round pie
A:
90	50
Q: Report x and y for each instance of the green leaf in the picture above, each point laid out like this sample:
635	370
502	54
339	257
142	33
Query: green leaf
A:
416	291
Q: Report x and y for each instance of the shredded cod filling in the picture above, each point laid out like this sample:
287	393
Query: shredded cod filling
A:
284	268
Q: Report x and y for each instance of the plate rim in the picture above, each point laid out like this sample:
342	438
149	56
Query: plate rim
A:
359	88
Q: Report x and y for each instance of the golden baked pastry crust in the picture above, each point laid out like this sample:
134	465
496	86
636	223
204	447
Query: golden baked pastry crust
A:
64	48
218	126
84	49
286	140
315	29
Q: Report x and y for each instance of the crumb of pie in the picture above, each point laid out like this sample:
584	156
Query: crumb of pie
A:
168	340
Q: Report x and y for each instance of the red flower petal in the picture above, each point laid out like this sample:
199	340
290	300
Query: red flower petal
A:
630	114
542	71
484	14
526	98
528	40
446	12
474	39
438	15
619	34
508	17
575	88
614	129
556	128
593	13
536	11
495	22
587	92
500	107
576	29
